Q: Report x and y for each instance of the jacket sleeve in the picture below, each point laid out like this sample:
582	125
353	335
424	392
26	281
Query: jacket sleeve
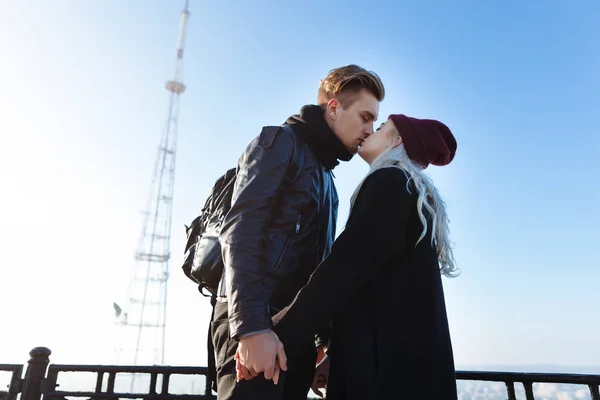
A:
261	173
376	228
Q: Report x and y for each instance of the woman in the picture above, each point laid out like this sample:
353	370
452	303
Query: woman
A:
381	285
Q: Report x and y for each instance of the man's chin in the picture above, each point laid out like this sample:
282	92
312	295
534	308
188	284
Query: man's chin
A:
353	150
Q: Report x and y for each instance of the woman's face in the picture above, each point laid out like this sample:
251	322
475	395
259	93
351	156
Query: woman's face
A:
383	138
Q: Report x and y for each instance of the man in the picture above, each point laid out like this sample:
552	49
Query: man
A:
280	226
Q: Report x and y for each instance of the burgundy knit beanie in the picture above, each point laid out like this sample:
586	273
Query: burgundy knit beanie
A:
426	141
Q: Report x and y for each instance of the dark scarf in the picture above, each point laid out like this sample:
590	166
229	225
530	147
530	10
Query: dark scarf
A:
311	126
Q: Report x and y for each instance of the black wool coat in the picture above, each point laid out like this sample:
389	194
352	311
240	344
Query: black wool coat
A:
383	295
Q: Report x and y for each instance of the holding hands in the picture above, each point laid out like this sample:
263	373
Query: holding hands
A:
264	353
258	353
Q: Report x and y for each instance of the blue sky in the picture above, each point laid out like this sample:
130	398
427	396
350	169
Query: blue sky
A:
83	105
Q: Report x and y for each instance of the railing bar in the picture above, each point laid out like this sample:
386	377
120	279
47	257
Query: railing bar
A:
127	395
131	369
99	379
207	385
165	383
15	385
111	382
461	375
508	378
528	390
51	383
575	379
11	367
153	383
510	390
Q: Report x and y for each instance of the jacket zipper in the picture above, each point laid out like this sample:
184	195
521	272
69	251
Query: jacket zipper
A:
298	223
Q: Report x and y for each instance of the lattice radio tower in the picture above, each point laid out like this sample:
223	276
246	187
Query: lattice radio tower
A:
142	320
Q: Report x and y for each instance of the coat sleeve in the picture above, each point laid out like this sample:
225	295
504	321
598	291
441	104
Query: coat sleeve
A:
376	229
262	170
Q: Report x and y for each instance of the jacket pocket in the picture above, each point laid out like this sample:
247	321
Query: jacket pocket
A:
281	242
286	245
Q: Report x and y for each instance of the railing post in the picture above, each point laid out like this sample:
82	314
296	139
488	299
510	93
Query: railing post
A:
35	374
510	390
594	391
528	390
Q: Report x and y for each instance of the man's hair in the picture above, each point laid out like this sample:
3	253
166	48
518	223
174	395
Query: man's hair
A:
344	83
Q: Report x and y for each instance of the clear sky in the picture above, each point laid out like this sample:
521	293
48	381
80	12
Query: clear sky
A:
82	106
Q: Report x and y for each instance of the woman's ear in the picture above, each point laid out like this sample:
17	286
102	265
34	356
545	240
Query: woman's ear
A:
397	142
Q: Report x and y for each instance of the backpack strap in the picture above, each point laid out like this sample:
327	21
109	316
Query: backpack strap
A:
295	171
267	137
211	378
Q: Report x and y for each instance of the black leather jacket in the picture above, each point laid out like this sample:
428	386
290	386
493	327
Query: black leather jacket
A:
280	226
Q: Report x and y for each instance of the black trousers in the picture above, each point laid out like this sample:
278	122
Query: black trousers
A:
294	383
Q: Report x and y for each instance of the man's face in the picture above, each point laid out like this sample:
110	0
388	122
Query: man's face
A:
355	123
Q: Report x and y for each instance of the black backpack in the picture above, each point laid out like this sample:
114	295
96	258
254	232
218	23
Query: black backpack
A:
202	261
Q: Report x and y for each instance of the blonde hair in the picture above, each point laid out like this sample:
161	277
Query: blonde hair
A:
428	199
344	83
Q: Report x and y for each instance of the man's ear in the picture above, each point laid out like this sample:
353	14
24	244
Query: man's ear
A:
332	108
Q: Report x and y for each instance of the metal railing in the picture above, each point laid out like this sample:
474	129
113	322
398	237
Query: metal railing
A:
14	386
157	373
528	379
41	380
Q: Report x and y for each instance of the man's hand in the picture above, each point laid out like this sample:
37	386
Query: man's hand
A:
321	377
258	353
